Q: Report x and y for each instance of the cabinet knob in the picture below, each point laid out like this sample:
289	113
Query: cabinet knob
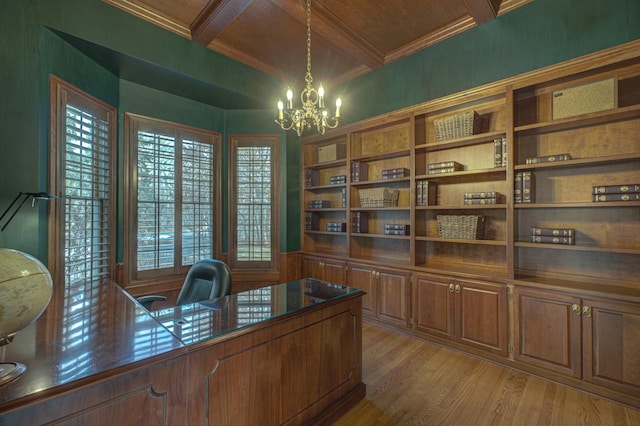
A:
377	274
586	311
575	308
373	274
457	288
451	288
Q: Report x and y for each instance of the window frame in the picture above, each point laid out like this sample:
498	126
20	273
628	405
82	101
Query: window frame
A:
272	141
62	94
133	123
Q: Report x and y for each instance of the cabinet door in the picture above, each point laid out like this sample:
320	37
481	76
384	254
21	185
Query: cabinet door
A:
362	277
312	268
334	272
434	305
611	344
548	331
393	294
482	315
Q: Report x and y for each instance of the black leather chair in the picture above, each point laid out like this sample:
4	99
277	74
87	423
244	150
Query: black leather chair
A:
207	279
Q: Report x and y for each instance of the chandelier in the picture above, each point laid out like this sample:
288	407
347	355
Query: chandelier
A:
313	111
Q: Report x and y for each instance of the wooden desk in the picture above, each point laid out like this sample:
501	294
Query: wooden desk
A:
285	354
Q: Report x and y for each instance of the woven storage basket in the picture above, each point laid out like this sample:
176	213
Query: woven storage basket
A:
378	197
466	227
457	126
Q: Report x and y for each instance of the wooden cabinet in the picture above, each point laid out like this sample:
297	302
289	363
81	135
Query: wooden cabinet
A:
324	269
550	176
388	292
548	330
325	196
468	176
584	337
585	174
470	312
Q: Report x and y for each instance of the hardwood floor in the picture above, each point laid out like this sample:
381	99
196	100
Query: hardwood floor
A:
412	382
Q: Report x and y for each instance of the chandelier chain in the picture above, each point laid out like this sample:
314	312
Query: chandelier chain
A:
308	77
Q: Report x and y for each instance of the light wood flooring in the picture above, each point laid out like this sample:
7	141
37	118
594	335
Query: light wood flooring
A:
412	382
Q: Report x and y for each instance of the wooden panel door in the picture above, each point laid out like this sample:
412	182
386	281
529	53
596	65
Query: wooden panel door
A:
334	272
548	330
393	296
611	344
363	278
434	306
482	315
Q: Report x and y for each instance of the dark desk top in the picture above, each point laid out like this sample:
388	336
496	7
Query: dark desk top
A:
203	321
101	331
88	334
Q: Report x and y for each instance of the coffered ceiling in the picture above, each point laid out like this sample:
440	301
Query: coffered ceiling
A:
348	38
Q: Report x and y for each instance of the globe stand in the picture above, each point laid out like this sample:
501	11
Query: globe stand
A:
10	371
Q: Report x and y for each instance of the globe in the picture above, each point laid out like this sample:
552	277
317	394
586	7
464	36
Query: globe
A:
25	292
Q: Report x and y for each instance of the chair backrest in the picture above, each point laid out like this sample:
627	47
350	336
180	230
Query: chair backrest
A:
207	279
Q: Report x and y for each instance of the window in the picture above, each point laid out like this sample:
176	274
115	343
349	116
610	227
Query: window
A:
81	244
82	152
172	197
254	201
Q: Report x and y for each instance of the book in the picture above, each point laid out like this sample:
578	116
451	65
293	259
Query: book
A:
425	193
337	180
344	198
319	204
359	171
552	240
395	173
553	232
359	222
497	152
528	193
487	194
548	158
311	178
336	227
443	170
616	189
396	229
445	165
504	152
481	201
311	222
517	188
635	196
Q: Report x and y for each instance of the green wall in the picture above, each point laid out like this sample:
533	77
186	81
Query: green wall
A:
541	33
107	52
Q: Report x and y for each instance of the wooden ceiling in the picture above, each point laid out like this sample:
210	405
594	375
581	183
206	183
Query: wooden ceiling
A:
348	37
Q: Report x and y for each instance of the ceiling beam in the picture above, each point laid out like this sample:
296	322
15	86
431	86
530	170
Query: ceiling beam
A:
482	10
214	18
335	31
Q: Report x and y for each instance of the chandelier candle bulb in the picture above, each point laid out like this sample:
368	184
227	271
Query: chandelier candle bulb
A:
289	98
280	112
338	105
321	96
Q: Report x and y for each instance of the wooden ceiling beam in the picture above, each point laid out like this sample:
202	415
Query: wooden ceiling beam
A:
214	18
483	10
335	31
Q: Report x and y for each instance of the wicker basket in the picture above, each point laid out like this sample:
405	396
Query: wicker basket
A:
378	197
466	227
457	126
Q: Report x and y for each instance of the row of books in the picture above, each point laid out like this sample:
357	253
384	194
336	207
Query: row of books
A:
548	158
425	193
444	167
395	173
523	187
312	178
625	192
553	235
500	152
336	227
396	229
482	198
337	180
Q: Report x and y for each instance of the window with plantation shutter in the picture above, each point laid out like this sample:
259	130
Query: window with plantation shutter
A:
172	197
254	202
82	222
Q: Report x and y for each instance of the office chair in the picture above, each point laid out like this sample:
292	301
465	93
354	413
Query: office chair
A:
207	279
